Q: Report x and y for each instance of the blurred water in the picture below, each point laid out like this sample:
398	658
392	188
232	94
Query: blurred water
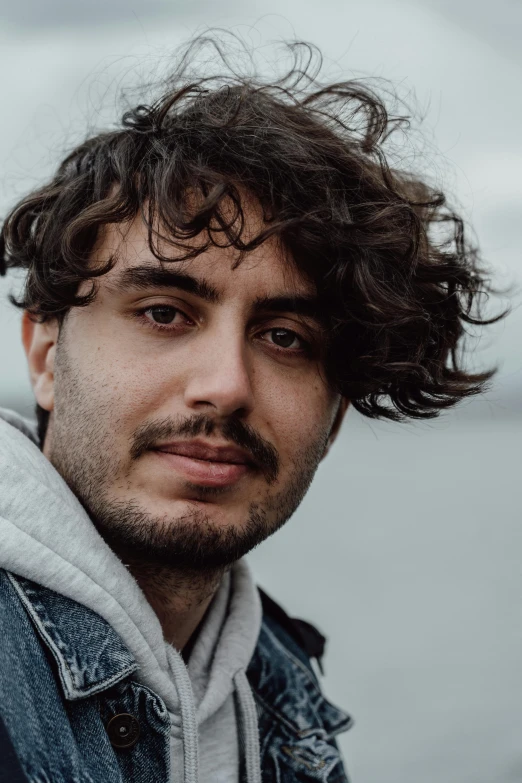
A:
406	553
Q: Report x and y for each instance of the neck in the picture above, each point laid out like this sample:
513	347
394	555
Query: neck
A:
179	598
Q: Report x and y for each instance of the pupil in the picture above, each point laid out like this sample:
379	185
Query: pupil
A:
163	315
283	337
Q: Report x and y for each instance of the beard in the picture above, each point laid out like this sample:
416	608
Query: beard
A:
191	542
81	449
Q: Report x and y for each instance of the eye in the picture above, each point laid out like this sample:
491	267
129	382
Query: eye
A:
285	338
163	315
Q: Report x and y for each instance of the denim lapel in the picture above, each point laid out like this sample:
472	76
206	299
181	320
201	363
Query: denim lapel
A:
91	657
287	688
89	654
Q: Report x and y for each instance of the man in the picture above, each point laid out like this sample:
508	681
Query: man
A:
208	287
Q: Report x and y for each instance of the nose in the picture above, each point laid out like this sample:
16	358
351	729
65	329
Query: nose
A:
220	381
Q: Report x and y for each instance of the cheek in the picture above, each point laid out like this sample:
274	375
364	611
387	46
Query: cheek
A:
296	415
138	386
122	384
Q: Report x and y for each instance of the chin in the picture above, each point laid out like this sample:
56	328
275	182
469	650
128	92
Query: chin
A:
201	509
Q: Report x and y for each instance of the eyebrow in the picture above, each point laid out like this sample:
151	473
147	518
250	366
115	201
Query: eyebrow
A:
145	277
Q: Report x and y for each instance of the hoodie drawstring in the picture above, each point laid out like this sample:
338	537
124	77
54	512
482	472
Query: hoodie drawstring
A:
249	727
189	728
247	720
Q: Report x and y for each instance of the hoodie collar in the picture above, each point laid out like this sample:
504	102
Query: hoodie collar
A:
275	673
48	539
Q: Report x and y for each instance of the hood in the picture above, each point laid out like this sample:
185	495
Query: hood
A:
48	537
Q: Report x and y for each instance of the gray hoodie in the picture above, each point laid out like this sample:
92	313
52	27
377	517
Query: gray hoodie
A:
48	537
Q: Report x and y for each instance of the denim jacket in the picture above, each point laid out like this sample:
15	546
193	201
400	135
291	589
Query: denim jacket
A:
68	685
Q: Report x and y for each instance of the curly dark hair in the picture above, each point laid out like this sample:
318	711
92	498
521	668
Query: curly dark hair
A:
397	278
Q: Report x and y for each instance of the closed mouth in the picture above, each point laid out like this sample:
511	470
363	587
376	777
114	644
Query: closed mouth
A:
205	452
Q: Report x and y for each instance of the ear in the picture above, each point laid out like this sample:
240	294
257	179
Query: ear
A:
336	426
39	340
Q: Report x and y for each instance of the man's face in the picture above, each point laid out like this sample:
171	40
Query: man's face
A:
189	409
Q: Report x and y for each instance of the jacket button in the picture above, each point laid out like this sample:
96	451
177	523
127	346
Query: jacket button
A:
123	730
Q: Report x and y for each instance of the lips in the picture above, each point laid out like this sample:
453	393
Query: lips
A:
204	464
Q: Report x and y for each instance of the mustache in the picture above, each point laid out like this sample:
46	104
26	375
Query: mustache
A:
264	455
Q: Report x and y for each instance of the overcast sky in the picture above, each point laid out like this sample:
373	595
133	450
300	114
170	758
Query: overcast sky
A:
62	62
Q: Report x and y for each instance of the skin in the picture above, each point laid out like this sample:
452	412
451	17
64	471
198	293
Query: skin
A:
109	376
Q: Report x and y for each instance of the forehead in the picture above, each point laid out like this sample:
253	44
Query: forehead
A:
267	270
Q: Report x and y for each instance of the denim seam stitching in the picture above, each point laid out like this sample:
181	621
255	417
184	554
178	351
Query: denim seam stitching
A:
347	721
288	725
300	665
69	689
273	711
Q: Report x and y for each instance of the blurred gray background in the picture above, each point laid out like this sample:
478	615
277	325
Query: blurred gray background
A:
407	550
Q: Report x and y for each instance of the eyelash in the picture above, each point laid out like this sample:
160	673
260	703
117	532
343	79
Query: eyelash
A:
140	314
306	347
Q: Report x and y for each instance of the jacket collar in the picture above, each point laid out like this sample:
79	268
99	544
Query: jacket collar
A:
286	686
91	657
89	654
